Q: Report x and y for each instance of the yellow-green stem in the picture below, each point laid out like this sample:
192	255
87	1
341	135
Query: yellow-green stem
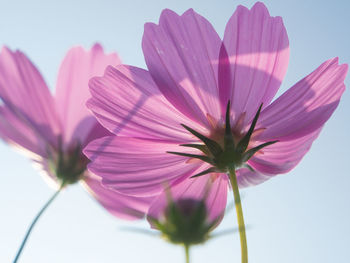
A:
187	253
239	211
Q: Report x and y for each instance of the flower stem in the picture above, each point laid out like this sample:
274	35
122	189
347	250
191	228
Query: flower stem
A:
239	211
187	253
42	210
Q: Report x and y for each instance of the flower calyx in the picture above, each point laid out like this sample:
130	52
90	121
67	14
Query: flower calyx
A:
67	165
185	222
231	154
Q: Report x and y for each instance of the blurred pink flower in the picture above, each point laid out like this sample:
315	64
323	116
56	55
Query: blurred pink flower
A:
192	75
53	129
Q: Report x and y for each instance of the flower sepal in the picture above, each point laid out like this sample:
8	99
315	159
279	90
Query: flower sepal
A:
185	221
231	154
67	165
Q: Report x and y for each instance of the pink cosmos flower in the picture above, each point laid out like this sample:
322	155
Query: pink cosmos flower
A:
202	95
53	129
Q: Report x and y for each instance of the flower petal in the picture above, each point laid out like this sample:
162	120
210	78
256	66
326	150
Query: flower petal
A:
307	105
246	177
258	48
275	159
72	89
16	132
211	187
26	98
97	131
182	55
137	167
127	102
283	156
122	206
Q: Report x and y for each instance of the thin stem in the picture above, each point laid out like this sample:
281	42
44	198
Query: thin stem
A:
239	211
34	222
187	253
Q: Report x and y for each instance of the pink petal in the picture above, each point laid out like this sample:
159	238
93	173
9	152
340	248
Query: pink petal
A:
127	102
182	56
25	94
283	156
278	158
15	131
306	106
122	206
138	167
72	89
213	188
258	47
97	131
246	178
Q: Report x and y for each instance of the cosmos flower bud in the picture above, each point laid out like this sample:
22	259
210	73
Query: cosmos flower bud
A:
185	221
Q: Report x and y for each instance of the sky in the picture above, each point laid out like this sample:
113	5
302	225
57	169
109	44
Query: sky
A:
302	216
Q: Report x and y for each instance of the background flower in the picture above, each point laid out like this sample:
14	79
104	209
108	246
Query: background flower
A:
54	129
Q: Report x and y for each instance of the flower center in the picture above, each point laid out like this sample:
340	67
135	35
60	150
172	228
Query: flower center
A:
225	148
68	165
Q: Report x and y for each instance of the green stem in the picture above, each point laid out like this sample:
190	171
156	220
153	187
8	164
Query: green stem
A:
42	210
187	253
239	211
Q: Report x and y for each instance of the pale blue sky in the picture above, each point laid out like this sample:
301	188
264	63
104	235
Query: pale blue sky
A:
303	216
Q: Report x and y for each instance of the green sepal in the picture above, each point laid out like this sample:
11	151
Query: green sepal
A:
246	165
209	170
200	147
228	137
231	153
69	165
200	157
212	145
243	143
252	151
